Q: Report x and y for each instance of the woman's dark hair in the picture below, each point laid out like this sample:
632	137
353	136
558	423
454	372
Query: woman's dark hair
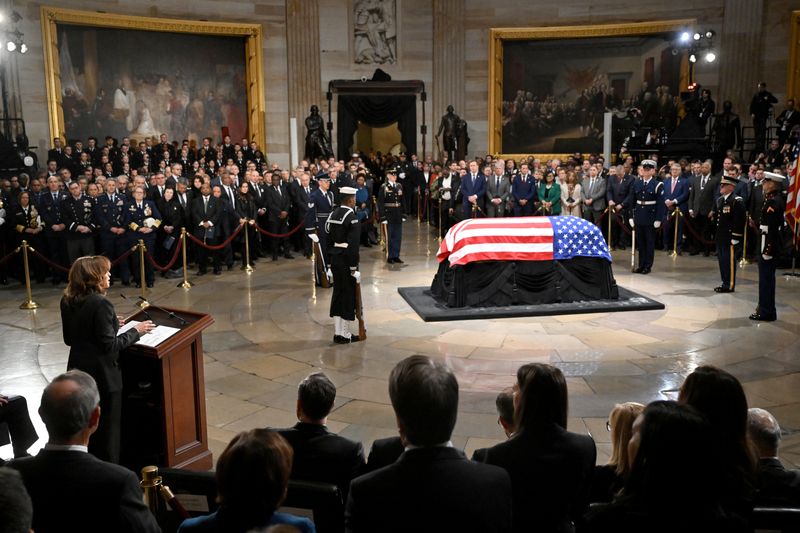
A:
252	476
542	397
85	276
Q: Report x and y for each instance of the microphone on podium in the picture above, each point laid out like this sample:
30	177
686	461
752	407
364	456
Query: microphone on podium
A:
167	311
144	311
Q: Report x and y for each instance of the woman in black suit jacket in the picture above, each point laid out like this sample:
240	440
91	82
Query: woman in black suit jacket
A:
90	327
550	468
246	213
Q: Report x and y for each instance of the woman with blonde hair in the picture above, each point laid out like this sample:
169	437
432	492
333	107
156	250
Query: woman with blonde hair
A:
571	196
609	478
90	325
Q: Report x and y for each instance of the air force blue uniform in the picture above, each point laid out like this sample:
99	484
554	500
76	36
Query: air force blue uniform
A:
646	202
320	205
110	213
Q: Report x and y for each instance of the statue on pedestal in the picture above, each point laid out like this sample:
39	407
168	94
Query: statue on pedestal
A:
317	142
455	138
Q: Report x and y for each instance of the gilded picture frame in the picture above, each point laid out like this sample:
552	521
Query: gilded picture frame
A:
252	61
499	36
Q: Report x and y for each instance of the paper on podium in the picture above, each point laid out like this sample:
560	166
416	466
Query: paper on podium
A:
152	339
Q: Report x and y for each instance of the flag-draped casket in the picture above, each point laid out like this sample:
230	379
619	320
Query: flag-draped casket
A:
520	261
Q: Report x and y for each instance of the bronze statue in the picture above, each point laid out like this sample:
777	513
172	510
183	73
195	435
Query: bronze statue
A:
317	142
455	138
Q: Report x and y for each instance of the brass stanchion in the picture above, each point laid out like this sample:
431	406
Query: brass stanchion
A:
151	483
475	210
633	248
28	303
143	300
743	261
246	267
185	284
675	215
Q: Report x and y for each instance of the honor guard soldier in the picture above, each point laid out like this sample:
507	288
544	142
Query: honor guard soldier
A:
77	214
320	205
109	212
772	220
344	235
646	203
731	216
142	220
54	227
390	205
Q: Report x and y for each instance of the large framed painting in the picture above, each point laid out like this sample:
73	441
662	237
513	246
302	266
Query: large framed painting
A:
139	77
550	87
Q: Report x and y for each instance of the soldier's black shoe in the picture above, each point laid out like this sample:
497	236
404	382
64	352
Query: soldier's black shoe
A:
645	271
354	338
763	318
638	270
398	260
338	339
722	288
391	260
287	255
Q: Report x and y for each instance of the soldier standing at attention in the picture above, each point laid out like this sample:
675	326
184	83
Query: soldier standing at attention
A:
391	210
77	214
731	215
320	205
646	203
770	246
344	235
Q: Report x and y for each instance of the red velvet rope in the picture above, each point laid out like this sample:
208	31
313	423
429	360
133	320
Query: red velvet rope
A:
47	261
124	256
218	246
6	258
171	261
281	235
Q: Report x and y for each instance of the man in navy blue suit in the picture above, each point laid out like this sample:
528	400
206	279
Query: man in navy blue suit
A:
676	197
473	191
523	189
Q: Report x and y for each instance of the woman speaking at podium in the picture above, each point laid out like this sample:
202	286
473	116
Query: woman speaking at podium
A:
90	327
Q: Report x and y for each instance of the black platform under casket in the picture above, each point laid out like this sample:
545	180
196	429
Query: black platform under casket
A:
503	283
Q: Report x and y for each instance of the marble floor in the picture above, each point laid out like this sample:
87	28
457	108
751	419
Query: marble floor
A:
272	328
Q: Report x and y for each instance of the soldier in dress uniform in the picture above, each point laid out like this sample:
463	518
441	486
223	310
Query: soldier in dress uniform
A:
320	205
344	235
54	227
772	220
731	215
109	212
142	220
390	208
646	203
77	213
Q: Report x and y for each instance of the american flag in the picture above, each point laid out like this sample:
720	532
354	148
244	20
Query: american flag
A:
522	239
793	196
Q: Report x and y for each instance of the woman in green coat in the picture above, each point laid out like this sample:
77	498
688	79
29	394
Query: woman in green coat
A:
549	196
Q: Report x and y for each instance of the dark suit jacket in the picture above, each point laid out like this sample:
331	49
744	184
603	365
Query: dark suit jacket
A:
384	452
320	455
430	489
777	486
75	491
199	213
551	472
277	202
701	201
90	328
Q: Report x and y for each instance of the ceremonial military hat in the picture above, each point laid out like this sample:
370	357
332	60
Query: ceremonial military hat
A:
391	171
649	163
729	180
771	176
347	190
323	177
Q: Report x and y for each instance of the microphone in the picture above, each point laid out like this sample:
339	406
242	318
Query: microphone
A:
167	311
144	311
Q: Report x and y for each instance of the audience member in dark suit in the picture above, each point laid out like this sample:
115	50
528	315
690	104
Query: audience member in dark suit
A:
473	191
227	222
384	452
252	477
550	468
16	509
719	397
90	327
505	419
320	455
15	425
702	190
432	487
278	206
301	198
676	196
205	216
608	478
673	484
777	485
71	489
619	187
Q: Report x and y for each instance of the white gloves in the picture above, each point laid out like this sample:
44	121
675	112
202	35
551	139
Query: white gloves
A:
385	222
313	237
734	242
329	275
766	257
630	221
356	274
657	224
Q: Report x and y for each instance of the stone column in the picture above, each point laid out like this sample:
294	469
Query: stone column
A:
739	55
303	72
448	61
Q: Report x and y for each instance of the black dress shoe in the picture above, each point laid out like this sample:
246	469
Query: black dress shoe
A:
354	338
763	318
391	260
217	272
722	289
638	270
338	339
274	257
645	271
126	283
367	245
230	267
398	260
288	256
150	285
138	285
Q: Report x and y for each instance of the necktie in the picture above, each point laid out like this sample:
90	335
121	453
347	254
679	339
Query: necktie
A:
112	199
330	198
591	184
307	191
672	189
703	183
497	182
140	207
279	191
205	204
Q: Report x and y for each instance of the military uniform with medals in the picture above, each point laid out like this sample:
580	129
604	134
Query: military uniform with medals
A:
771	223
390	207
76	212
109	213
136	218
731	214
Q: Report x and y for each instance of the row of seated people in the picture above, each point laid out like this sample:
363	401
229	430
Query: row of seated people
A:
697	464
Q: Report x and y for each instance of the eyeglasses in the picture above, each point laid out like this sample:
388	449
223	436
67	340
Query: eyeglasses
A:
608	425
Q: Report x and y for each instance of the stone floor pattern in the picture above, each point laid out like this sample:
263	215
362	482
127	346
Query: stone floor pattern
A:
272	328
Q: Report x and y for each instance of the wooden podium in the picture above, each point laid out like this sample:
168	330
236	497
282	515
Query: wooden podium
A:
164	404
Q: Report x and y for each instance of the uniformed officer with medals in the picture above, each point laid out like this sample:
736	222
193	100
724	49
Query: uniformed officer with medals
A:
646	203
344	234
772	220
390	207
142	219
77	212
731	215
320	205
109	211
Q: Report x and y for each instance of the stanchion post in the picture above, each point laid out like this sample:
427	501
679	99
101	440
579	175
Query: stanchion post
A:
675	215
143	300
419	207
28	303
633	248
608	214
743	261
185	284
248	269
